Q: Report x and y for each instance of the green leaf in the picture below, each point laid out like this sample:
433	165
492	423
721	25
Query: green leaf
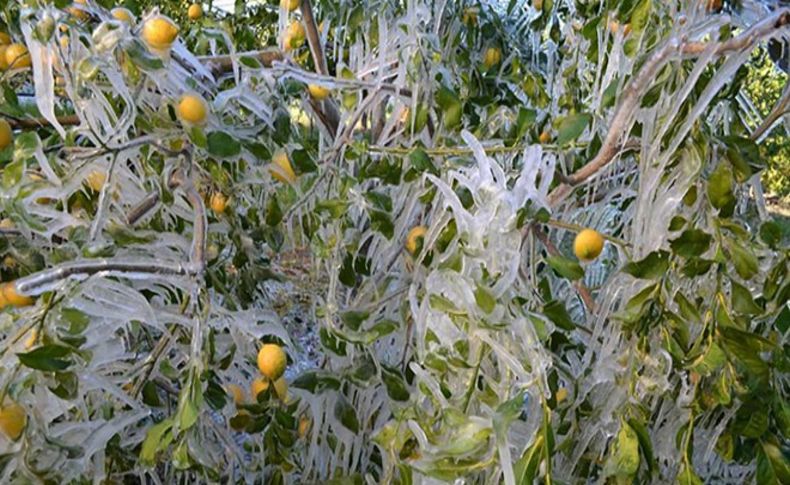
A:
484	299
451	107
687	476
654	265
556	312
12	173
742	301
711	360
743	259
354	319
381	222
772	465
720	186
395	384
78	320
571	127
640	16
303	162
691	242
645	444
421	162
567	268
331	342
155	440
623	458
222	145
346	414
526	468
48	358
771	234
141	57
317	381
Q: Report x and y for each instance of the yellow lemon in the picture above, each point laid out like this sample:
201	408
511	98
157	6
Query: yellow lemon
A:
6	134
413	237
3	62
9	262
537	4
17	56
281	168
96	180
237	392
544	137
9	296
290	5
294	35
319	93
218	202
258	386
561	394
588	245
272	361
195	11
12	420
281	388
492	57
159	32
192	108
122	14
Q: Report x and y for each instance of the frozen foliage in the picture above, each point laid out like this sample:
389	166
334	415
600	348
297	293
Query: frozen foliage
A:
480	352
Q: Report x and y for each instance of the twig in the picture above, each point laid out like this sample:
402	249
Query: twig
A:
224	63
22	123
142	208
639	84
327	107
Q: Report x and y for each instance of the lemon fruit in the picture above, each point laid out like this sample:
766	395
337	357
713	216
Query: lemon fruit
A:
290	5
281	168
258	386
413	238
12	420
544	137
192	109
159	32
318	93
9	296
218	202
122	14
96	180
469	16
195	11
17	56
294	35
6	134
236	392
492	57
3	62
588	245
5	38
272	361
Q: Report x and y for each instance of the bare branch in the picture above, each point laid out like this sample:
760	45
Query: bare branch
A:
779	110
639	84
327	107
220	64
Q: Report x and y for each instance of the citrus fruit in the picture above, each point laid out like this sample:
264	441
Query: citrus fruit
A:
492	57
6	134
218	202
290	5
159	32
195	11
12	420
588	245
319	93
17	56
272	361
192	109
9	296
5	38
544	137
236	392
258	386
122	14
96	180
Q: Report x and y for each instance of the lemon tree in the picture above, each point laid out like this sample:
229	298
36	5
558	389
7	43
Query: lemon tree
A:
390	242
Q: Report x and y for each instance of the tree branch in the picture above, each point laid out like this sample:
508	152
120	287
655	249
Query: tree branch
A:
779	110
327	107
639	84
224	63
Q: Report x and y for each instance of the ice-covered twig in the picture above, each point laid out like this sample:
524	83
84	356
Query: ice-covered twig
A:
22	123
142	208
224	63
639	84
198	252
327	107
42	281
